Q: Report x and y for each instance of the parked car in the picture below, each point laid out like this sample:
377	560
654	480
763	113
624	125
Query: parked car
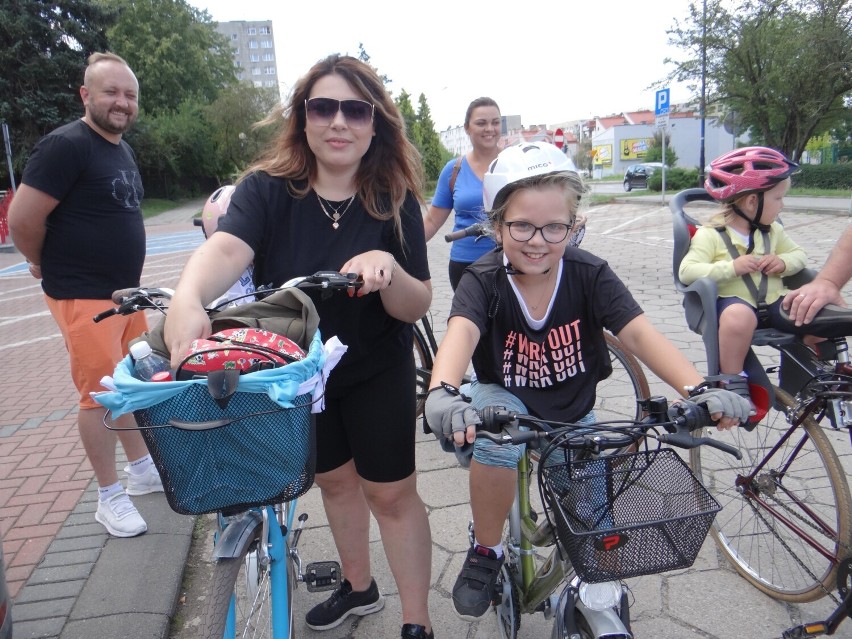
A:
636	176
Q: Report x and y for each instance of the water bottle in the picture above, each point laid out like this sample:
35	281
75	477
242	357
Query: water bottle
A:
147	363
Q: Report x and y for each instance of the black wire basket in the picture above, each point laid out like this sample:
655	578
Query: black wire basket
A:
628	515
265	455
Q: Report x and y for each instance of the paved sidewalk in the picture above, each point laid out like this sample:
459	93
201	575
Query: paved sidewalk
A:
71	581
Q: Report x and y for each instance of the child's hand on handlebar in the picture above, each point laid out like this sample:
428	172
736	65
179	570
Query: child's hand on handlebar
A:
450	415
727	408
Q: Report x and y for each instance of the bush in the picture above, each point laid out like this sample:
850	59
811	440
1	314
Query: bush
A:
676	180
824	176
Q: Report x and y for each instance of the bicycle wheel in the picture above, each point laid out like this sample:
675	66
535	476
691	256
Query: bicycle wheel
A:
247	581
802	481
617	394
508	608
423	367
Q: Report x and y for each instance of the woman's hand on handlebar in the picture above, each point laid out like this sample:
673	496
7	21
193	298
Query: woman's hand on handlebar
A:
374	268
185	322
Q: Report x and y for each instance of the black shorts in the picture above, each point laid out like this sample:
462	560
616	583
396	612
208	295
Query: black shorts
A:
373	423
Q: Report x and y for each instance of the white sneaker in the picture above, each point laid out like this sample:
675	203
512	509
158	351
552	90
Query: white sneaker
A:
147	482
120	517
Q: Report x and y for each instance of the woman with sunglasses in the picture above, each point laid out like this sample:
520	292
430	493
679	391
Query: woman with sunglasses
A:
460	187
339	189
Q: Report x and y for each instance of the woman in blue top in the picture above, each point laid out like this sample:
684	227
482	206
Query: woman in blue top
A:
482	124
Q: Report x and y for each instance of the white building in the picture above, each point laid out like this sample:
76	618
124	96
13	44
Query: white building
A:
621	140
254	51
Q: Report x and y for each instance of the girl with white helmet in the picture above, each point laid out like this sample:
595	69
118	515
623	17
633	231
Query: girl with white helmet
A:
531	316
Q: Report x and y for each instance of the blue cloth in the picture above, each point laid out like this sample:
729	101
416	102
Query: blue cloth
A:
466	201
282	385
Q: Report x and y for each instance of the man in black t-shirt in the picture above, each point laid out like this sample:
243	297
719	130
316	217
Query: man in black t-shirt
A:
77	220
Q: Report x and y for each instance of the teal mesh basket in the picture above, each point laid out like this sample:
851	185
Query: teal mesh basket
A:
266	455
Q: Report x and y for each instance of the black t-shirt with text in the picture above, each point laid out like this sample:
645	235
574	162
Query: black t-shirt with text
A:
553	370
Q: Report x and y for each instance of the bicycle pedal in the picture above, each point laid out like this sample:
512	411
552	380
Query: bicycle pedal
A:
322	575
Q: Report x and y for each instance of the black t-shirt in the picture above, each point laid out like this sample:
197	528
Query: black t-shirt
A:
95	239
292	237
553	370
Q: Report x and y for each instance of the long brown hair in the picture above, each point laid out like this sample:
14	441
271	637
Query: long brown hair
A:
390	168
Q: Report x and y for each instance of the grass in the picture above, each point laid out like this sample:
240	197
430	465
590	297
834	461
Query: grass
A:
154	206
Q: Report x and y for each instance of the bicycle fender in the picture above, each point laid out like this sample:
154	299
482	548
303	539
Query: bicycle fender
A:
602	623
238	535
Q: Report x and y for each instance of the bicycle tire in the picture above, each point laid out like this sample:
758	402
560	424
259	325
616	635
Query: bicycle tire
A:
766	553
508	607
249	583
617	395
423	368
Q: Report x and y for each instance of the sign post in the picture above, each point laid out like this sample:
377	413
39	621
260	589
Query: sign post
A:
661	110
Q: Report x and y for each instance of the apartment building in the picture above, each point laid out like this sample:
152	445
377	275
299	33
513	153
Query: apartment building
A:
254	51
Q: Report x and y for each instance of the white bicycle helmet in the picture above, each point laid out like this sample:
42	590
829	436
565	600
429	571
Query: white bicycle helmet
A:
518	162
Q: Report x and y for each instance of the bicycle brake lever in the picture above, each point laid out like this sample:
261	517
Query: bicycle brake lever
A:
685	440
509	435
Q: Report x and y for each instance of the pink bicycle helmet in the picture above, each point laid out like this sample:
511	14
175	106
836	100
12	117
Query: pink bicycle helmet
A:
215	207
752	169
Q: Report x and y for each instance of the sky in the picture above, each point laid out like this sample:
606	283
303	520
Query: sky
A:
561	60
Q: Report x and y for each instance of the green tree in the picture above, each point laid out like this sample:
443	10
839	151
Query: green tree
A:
403	103
43	51
232	116
175	51
783	65
430	142
655	150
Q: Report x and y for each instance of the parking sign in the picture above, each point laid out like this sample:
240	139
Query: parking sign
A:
662	105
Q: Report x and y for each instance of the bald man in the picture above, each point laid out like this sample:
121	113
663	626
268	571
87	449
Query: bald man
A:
77	220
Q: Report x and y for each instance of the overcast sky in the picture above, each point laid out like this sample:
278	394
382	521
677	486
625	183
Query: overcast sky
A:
560	60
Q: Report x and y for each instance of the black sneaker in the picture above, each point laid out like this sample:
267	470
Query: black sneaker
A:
342	603
475	587
415	631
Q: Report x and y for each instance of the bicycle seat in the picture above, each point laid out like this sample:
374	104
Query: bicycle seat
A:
831	321
699	298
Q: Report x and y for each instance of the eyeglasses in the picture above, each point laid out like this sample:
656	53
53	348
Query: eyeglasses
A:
552	233
322	111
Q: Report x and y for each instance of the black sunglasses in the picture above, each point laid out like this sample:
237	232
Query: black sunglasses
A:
322	111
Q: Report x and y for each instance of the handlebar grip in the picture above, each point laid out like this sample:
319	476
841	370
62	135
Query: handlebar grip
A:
476	230
119	295
102	316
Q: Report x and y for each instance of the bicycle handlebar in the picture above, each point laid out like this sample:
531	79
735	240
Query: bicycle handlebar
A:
501	427
474	230
132	300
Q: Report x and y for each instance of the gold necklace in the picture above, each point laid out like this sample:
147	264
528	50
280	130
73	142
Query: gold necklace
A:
335	217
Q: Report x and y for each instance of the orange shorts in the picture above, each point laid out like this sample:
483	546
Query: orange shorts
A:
94	349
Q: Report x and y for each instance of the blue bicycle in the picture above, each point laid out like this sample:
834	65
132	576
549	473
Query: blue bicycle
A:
247	459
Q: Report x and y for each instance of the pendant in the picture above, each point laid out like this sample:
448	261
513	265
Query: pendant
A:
335	226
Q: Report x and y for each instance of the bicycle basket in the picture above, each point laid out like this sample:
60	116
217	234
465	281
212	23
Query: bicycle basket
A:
265	456
623	516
